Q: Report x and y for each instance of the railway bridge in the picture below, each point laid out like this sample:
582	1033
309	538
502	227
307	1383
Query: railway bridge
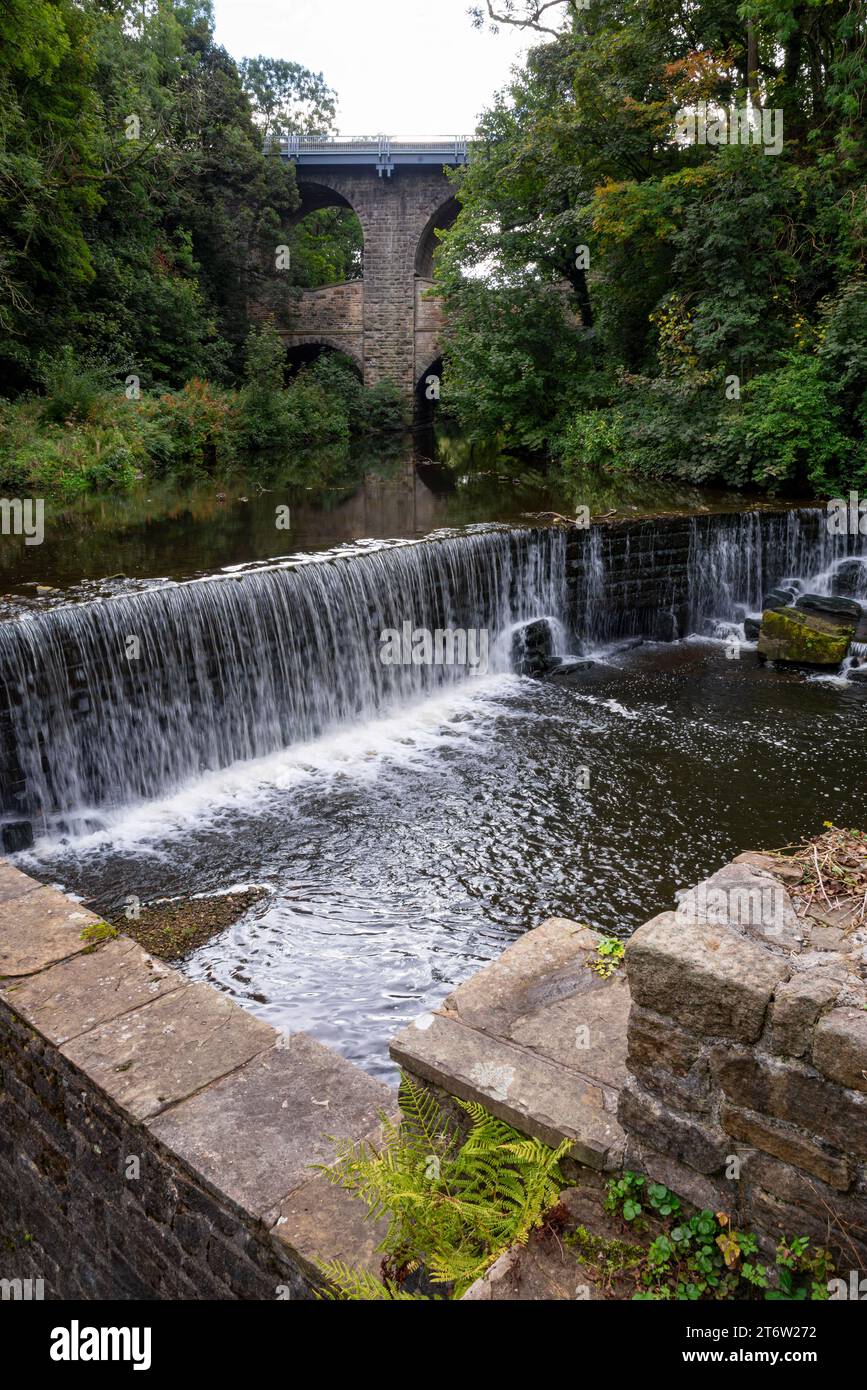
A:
401	195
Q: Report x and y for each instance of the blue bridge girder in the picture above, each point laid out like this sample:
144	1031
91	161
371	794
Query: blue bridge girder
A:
383	154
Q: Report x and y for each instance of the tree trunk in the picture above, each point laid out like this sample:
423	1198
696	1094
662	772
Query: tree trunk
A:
753	65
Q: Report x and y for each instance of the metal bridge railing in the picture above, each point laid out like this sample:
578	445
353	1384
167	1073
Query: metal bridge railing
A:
453	148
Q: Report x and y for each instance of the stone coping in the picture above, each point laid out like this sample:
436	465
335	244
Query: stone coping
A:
538	1038
244	1109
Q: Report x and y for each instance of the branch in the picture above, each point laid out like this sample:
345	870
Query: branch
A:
530	21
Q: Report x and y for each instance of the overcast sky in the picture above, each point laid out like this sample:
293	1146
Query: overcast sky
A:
400	67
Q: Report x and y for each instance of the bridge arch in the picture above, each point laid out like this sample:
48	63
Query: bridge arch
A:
316	194
425	406
301	348
444	216
402	196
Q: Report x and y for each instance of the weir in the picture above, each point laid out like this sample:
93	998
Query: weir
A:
231	668
668	577
120	700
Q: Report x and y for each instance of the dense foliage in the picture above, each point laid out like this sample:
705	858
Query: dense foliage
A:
141	212
84	435
623	297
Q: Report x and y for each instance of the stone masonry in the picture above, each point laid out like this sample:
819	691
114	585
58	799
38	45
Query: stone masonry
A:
747	1061
157	1141
332	316
730	1062
398	336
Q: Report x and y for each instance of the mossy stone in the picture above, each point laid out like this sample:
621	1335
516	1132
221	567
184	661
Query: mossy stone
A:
808	639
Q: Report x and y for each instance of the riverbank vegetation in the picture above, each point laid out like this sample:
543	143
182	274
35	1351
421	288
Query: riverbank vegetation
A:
84	435
141	216
458	1194
638	301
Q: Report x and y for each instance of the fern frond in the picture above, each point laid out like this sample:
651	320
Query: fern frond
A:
453	1207
359	1285
424	1129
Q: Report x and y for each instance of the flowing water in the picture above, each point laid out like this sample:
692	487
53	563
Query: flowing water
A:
410	819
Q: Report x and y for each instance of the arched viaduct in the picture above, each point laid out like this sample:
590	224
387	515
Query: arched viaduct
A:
401	195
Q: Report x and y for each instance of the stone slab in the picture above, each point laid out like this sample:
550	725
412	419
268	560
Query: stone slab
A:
785	1143
290	1098
321	1221
709	979
90	989
703	1146
752	901
787	1090
165	1051
840	1047
541	994
536	1095
38	929
14	884
798	1002
771	864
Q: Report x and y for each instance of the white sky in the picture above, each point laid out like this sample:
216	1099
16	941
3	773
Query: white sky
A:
400	67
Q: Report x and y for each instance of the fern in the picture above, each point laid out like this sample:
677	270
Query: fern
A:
359	1284
452	1208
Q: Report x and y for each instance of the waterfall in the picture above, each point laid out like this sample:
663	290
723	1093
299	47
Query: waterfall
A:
736	560
118	700
672	576
125	698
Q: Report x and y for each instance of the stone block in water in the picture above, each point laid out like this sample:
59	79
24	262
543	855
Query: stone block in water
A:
849	577
803	637
780	597
828	605
533	648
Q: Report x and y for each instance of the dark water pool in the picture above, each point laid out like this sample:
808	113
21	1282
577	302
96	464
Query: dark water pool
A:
403	852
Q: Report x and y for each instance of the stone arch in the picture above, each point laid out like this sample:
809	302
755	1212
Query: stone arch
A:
424	409
352	351
316	194
388	314
439	220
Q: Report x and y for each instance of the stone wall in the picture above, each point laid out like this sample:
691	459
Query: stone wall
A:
630	577
156	1140
332	315
730	1062
747	1057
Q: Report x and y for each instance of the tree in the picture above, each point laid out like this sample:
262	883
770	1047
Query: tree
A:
695	269
538	15
139	214
287	98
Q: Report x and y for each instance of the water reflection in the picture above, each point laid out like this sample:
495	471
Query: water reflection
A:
177	528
